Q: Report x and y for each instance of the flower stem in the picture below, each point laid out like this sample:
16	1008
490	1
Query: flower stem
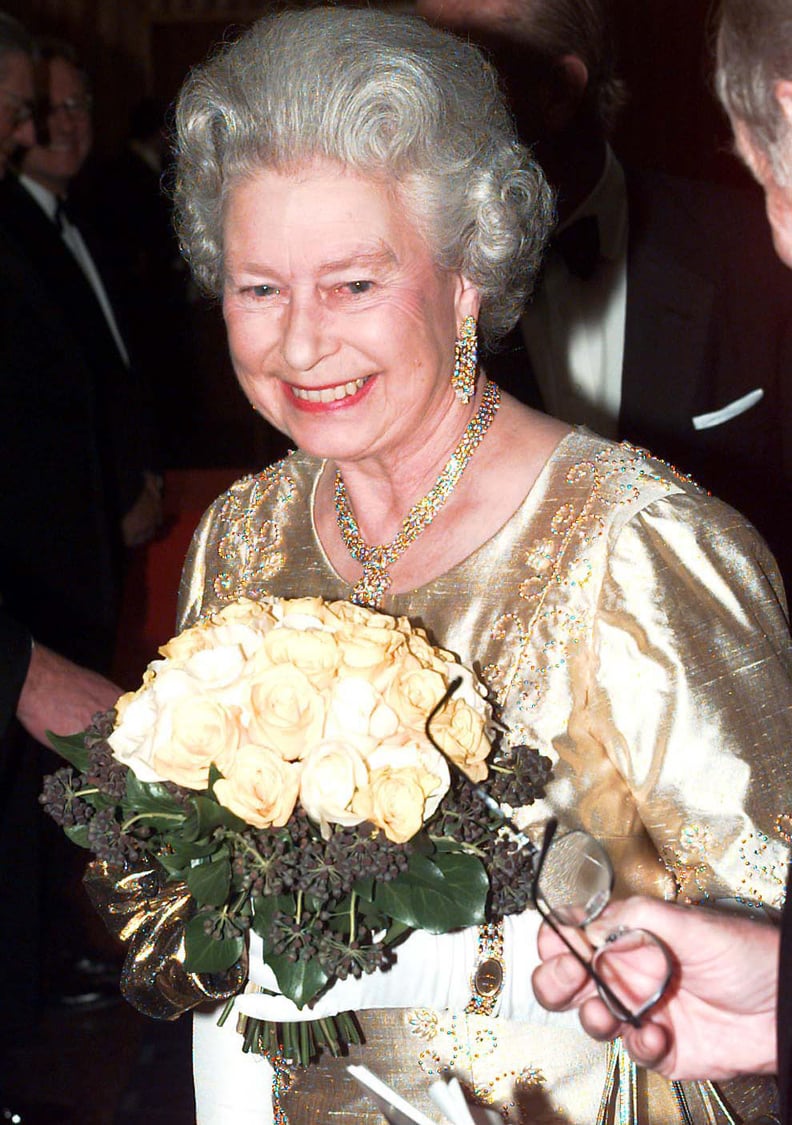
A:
352	915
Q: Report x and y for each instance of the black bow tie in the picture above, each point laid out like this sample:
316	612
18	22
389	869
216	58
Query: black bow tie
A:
579	246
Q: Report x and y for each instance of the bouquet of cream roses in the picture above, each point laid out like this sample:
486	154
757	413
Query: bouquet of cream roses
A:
275	761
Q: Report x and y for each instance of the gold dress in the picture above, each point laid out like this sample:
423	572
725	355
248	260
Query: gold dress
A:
633	629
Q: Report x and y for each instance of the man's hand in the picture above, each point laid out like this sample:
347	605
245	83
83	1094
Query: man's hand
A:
61	696
718	1017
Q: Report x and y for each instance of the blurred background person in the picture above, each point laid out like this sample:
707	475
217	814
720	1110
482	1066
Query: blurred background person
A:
126	199
662	316
39	689
77	495
731	1008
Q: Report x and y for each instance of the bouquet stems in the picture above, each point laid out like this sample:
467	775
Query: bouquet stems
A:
299	1043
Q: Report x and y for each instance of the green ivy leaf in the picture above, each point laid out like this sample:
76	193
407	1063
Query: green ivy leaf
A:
437	895
72	748
78	834
210	882
174	864
206	816
299	980
204	954
264	909
396	931
151	797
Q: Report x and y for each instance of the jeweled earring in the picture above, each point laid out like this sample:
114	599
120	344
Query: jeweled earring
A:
463	379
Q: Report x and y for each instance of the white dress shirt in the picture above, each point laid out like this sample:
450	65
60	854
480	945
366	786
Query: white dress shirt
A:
574	328
48	202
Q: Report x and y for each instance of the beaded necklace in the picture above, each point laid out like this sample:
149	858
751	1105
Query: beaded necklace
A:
376	559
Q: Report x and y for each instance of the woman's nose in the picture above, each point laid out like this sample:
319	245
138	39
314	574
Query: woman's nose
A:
305	339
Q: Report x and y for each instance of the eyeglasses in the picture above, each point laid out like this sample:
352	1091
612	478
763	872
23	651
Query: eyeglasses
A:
72	107
572	884
21	108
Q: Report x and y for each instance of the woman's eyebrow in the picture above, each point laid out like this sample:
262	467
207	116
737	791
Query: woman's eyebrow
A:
383	256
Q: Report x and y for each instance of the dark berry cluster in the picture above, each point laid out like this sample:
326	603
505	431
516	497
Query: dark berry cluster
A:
517	777
61	798
91	799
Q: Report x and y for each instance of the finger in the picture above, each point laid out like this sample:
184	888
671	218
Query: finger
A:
560	983
598	1021
648	1045
548	942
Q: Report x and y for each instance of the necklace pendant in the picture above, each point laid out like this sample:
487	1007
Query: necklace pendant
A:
371	588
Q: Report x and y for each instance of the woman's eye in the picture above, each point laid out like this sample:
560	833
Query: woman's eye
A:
264	290
357	287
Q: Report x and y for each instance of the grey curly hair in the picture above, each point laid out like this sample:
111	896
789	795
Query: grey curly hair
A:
754	51
389	97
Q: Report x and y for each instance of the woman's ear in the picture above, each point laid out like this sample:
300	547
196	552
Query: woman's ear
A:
468	300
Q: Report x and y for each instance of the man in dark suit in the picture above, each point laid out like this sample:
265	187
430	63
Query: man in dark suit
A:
662	317
77	494
40	689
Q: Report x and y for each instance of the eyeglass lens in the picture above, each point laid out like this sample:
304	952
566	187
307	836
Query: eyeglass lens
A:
576	879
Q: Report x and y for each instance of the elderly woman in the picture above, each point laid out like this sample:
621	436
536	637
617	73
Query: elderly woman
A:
350	184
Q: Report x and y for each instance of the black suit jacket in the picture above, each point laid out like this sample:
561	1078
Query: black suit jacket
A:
708	319
68	433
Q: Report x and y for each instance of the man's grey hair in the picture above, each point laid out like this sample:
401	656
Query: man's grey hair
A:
584	28
548	30
389	97
14	39
753	52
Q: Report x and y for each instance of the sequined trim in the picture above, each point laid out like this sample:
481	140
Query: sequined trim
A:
250	549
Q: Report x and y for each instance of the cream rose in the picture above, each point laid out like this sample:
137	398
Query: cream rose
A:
260	787
369	652
356	708
259	615
333	774
430	657
348	613
191	735
461	733
313	651
407	781
302	613
180	648
413	693
287	713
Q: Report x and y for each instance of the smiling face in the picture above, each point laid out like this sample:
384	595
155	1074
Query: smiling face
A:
55	164
341	328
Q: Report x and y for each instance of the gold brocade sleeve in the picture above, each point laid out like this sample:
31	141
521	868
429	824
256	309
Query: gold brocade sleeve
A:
691	693
149	915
